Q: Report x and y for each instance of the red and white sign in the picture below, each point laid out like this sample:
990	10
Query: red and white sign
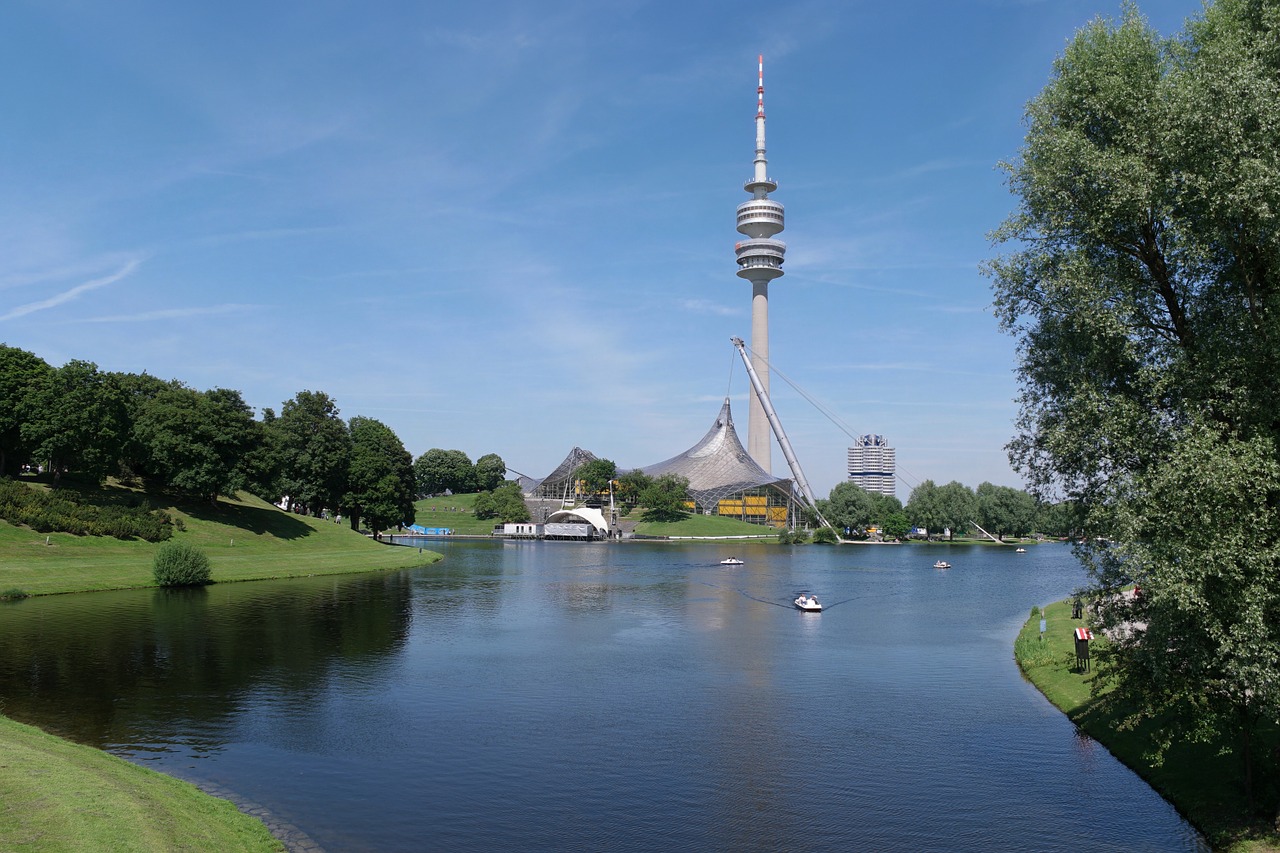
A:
1084	634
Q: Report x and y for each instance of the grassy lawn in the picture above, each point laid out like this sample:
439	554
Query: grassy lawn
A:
457	512
701	525
1202	780
59	796
246	539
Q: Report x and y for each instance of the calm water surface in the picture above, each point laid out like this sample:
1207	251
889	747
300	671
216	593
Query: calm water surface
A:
565	696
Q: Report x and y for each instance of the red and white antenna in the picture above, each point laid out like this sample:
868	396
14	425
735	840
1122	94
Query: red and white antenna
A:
760	90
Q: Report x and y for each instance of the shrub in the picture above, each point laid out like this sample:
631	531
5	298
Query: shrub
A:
47	512
181	564
14	594
825	536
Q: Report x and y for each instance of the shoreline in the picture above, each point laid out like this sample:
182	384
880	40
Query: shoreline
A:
1199	780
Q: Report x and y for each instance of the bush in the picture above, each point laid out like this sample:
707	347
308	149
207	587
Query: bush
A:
46	512
181	564
14	594
825	536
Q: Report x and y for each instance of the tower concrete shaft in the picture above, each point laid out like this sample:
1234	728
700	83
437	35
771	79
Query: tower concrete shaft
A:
760	262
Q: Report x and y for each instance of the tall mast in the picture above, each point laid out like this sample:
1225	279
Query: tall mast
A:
760	262
763	396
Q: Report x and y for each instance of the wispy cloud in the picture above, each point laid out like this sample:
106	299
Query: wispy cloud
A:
25	277
707	306
73	293
173	313
929	167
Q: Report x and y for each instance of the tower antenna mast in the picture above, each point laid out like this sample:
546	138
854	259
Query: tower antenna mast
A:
760	262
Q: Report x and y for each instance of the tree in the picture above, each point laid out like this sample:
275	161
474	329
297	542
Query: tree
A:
957	506
484	506
21	373
666	498
313	446
631	485
76	421
883	507
1061	519
925	509
596	475
1144	289
263	463
489	472
194	441
380	480
849	507
137	389
1005	511
438	471
508	503
896	525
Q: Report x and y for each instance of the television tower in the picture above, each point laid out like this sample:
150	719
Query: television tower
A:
760	262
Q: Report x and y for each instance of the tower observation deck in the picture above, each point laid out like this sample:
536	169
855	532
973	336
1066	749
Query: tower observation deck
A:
760	261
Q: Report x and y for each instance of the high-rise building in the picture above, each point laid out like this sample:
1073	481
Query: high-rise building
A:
760	262
872	465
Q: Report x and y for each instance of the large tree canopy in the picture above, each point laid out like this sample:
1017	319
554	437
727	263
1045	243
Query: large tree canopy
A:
195	441
380	481
1143	284
21	373
76	420
1004	510
314	449
596	475
440	470
849	507
666	498
490	471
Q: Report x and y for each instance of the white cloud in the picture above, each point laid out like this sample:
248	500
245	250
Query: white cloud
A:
707	306
73	293
172	313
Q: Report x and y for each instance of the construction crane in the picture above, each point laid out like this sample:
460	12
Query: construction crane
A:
776	425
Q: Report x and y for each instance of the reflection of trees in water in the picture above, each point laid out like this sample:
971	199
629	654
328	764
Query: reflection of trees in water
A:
449	588
119	668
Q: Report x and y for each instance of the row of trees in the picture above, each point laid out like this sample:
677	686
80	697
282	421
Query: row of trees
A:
1000	510
1143	286
664	498
438	471
78	419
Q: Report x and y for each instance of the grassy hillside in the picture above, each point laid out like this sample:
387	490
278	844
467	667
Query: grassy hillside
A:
457	512
245	538
57	795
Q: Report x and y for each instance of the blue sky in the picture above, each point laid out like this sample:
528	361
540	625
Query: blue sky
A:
508	226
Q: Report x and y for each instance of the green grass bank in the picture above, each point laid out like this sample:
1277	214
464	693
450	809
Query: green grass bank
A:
245	538
1202	780
59	796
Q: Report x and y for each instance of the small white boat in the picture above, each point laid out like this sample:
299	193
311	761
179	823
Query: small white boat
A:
732	561
1019	550
808	604
942	564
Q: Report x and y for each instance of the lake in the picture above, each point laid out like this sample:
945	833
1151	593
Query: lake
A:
575	696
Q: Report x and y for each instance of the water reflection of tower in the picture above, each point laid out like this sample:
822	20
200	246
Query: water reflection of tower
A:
760	262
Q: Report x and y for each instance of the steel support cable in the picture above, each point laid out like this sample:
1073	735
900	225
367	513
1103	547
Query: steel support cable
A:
830	415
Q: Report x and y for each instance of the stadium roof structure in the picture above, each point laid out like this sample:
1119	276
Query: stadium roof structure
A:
718	466
560	481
